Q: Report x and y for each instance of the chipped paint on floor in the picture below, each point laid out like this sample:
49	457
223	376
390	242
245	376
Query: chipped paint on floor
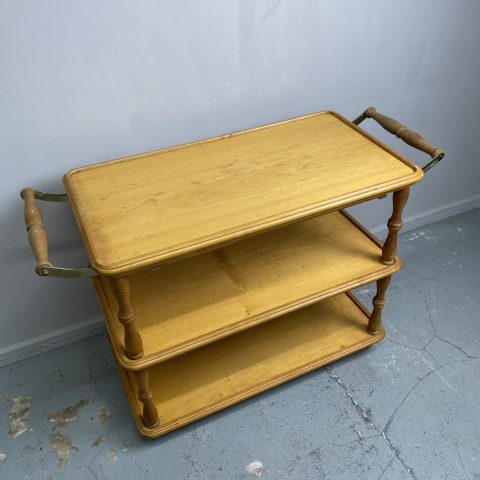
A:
64	417
102	414
18	414
62	446
99	440
255	468
112	455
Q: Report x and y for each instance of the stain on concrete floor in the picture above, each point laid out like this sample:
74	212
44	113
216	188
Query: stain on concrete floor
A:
112	455
102	414
255	468
62	446
67	415
18	414
99	440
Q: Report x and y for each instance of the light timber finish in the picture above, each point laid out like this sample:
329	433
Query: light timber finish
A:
140	211
375	321
225	265
126	316
149	411
394	224
213	377
200	299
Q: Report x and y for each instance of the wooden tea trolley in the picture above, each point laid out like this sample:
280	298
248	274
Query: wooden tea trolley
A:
225	267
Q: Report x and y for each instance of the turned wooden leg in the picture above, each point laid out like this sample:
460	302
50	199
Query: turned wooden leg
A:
389	250
375	320
126	315
150	415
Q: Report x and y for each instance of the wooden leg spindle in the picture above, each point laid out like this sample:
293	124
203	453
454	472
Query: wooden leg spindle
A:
126	315
375	321
389	250
150	414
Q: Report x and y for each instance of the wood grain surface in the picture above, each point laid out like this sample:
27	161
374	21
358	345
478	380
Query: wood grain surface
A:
203	298
208	379
139	211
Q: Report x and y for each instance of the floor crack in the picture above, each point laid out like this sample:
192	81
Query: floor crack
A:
461	461
392	416
357	440
424	297
365	414
435	334
386	467
87	467
419	350
471	357
398	457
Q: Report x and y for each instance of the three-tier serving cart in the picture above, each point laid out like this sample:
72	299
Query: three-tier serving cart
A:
224	267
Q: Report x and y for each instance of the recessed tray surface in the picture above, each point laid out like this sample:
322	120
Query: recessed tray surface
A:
139	211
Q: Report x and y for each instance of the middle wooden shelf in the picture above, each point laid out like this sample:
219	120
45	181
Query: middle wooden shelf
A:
198	300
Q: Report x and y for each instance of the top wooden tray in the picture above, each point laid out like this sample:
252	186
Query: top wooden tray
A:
139	211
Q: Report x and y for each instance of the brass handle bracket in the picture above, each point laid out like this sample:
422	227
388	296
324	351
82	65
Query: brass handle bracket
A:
49	197
51	271
37	235
401	131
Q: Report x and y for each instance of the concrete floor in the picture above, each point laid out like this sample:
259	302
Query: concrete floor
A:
408	407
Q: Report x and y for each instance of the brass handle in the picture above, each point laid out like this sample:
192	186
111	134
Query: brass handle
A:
401	131
37	235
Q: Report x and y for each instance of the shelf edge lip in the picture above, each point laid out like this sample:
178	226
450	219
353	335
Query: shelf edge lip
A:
237	133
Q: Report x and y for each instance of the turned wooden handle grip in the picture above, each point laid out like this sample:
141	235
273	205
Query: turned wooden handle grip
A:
37	236
401	131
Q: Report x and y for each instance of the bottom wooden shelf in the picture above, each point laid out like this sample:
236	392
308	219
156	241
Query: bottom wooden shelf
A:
200	382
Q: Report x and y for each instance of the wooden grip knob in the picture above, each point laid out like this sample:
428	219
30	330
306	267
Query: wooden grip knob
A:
401	131
37	236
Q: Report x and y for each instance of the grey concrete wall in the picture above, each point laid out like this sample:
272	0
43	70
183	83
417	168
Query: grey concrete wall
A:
86	81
